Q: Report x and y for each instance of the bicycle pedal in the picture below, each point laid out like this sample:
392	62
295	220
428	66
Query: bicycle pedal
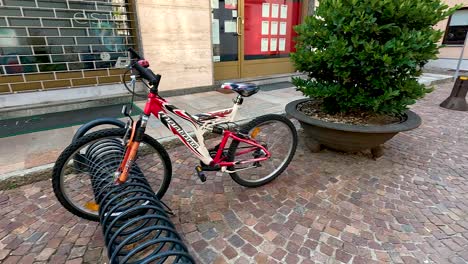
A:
200	173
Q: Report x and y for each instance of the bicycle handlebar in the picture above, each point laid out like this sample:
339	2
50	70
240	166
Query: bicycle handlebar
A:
146	73
134	54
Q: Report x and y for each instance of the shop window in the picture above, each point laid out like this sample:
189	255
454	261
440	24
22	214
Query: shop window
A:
457	28
43	36
269	28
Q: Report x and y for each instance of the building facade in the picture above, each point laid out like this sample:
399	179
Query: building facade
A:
455	28
55	45
78	47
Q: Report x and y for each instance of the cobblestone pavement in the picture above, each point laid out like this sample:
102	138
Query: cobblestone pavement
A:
410	206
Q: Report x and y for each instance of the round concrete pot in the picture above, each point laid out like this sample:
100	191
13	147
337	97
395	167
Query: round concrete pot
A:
346	137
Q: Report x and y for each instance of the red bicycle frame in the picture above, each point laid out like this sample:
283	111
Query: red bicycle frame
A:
201	123
159	107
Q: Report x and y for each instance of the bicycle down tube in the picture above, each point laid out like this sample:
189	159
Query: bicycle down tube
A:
159	107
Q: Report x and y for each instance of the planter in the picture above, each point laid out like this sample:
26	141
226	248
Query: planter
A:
346	137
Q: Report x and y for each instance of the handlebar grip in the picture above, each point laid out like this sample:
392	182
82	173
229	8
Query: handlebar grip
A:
134	54
148	74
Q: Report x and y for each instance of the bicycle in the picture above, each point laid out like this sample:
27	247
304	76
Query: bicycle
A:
251	158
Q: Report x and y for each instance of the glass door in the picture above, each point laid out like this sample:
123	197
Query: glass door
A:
254	37
226	32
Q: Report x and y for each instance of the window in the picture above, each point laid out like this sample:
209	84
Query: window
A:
62	35
457	28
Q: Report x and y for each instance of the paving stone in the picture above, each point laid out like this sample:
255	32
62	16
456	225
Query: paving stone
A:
261	228
23	249
249	250
199	245
327	250
74	261
278	254
230	252
4	253
236	241
28	259
250	236
292	259
457	260
45	254
92	255
12	260
210	234
301	230
208	255
242	260
220	260
342	256
57	259
77	252
292	247
305	252
232	220
261	258
270	235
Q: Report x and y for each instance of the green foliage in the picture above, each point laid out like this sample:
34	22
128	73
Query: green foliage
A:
366	55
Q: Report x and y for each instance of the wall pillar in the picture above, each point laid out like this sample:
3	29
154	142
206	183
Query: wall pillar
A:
176	39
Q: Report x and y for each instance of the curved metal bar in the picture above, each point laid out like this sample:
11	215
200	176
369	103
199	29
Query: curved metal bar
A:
98	122
134	222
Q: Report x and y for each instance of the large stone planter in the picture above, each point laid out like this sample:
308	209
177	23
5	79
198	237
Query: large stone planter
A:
346	137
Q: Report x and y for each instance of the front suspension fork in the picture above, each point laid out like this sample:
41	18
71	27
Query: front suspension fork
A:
138	131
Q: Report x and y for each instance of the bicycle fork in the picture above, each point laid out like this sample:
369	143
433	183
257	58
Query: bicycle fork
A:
138	131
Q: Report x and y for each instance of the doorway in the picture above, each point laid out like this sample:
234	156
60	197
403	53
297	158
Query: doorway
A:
254	37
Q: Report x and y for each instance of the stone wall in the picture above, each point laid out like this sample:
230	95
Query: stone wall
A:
176	40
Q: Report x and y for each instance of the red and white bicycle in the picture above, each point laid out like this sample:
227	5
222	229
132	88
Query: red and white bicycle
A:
258	151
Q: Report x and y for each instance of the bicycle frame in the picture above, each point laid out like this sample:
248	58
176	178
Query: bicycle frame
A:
161	109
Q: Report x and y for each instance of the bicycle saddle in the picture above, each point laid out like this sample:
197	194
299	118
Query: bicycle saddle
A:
244	89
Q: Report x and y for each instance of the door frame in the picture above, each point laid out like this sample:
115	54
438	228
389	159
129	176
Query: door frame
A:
253	68
226	70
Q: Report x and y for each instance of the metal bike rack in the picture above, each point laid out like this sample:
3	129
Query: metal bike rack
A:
97	122
135	224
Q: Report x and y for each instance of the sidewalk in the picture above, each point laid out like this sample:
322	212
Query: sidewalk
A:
37	151
409	206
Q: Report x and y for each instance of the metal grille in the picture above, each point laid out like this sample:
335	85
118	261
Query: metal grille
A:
43	36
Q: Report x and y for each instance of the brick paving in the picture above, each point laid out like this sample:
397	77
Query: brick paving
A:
410	206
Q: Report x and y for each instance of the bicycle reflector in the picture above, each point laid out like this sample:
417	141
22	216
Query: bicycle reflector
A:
92	206
255	132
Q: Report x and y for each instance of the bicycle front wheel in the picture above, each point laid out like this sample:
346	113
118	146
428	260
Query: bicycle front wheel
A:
278	135
85	169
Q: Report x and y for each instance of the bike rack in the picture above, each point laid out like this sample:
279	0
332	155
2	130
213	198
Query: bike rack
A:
135	224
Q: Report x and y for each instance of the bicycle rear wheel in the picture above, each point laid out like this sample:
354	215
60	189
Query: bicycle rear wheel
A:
86	168
278	135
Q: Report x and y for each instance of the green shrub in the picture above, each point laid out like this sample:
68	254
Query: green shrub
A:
366	55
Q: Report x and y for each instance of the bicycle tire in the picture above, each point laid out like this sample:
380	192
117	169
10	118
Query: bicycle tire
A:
95	136
245	130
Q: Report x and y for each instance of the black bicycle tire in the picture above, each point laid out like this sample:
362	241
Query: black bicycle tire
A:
244	130
65	156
